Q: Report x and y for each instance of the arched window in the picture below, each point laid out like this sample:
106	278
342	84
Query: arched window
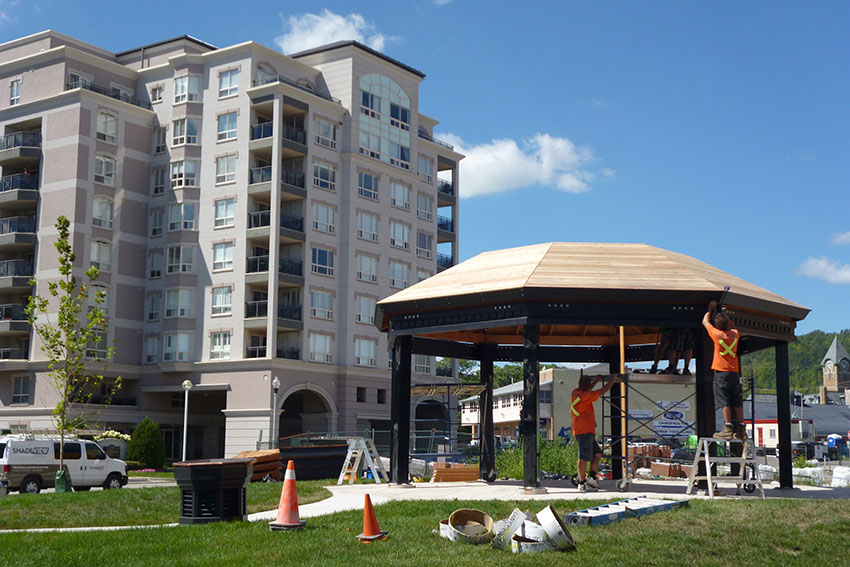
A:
102	213
265	74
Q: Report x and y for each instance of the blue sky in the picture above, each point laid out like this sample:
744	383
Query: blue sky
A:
715	130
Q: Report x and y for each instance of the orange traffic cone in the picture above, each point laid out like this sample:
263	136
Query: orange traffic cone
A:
371	531
287	511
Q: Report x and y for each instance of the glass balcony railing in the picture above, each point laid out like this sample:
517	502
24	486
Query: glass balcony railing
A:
289	312
289	353
259	219
256	352
444	223
426	136
258	264
15	268
291	267
12	312
295	178
444	261
12	225
111	93
294	134
18	181
20	140
260	131
264	175
292	222
12	354
256	308
445	187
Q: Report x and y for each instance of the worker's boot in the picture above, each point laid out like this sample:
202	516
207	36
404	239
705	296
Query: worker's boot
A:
740	431
727	433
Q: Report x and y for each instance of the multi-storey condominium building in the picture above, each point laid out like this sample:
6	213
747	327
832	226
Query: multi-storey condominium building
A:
245	208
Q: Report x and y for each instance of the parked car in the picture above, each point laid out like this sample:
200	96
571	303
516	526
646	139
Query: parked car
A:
30	463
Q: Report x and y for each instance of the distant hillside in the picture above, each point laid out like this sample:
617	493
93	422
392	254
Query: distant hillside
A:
805	357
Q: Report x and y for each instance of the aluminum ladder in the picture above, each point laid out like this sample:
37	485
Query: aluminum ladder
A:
362	450
747	459
616	511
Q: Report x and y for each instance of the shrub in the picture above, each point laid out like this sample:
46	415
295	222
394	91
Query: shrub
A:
135	465
112	434
147	445
558	456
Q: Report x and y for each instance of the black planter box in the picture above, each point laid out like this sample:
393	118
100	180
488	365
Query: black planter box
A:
212	490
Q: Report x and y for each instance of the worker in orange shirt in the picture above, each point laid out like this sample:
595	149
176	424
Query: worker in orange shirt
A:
584	428
727	382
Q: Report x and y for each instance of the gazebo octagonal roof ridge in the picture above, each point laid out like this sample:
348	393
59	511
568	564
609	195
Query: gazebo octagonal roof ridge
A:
587	273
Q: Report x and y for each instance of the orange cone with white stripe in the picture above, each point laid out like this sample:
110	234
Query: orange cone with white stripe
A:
287	511
371	531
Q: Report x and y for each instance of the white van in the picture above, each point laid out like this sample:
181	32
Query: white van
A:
30	463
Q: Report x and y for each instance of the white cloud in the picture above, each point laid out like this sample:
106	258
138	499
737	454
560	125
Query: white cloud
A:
442	2
6	8
841	238
306	31
505	165
826	270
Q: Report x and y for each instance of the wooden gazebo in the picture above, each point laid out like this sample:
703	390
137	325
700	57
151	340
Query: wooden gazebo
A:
572	302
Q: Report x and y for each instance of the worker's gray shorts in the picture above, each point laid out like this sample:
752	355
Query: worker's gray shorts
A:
587	446
727	390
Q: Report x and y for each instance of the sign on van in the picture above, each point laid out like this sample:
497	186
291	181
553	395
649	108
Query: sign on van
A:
29	450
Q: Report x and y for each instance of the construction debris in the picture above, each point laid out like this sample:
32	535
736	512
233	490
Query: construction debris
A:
517	532
616	511
265	463
467	525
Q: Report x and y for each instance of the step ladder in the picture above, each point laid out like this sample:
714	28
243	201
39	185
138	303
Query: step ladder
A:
362	451
746	460
616	511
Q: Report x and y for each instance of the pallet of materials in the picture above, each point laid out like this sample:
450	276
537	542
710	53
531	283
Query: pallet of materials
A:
266	462
454	472
616	511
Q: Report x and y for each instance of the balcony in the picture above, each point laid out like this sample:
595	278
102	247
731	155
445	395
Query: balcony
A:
259	219
112	400
257	264
111	93
293	182
12	354
445	223
292	312
292	222
444	261
445	187
255	352
19	191
294	134
20	149
254	309
19	181
294	178
425	136
262	131
260	175
13	319
290	271
17	233
291	267
289	353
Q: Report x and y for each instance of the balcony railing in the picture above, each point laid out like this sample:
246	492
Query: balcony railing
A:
425	136
445	187
12	312
289	312
444	261
112	400
292	222
260	131
295	134
445	223
295	178
18	181
258	264
291	266
256	352
259	219
111	93
12	354
15	268
264	175
20	140
304	88
289	353
256	308
11	225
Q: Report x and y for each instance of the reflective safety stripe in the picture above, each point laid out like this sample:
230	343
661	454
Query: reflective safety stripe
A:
573	406
728	347
289	474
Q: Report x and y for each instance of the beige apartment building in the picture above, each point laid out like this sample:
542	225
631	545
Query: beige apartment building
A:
246	210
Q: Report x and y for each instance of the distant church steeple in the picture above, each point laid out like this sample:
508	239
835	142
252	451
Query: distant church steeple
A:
836	367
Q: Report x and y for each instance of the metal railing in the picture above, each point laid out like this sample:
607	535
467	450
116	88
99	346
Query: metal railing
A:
294	178
112	400
291	266
426	136
256	308
12	354
260	131
445	187
15	268
294	134
259	219
111	93
304	88
18	181
289	312
21	140
445	223
11	225
12	312
255	352
292	222
258	264
444	261
289	353
260	174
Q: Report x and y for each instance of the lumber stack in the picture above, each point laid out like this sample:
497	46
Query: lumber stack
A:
454	472
266	462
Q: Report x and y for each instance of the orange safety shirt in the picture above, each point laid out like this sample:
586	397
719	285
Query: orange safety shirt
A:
725	349
581	410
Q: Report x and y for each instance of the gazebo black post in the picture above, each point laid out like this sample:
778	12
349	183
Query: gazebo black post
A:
703	354
618	441
530	391
783	414
486	440
400	409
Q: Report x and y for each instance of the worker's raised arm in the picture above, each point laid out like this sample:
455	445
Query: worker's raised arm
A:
607	387
706	319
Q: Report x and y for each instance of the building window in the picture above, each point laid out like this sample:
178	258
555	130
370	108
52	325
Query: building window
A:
370	104
425	207
361	394
399	275
155	269
400	195
367	226
156	94
159	176
154	306
224	212
185	131
178	303
179	259
422	275
97	348
176	347
159	140
77	81
325	133
323	218
399	116
421	364
424	244
220	345
157	222
367	185
15	93
102	213
225	169
183	174
223	256
399	155
104	170
324	176
321	304
21	390
426	169
151	349
265	74
382	396
364	309
400	235
107	127
98	300
323	261
187	89
320	347
101	255
545	397
370	143
367	268
228	83
221	300
364	352
227	126
181	216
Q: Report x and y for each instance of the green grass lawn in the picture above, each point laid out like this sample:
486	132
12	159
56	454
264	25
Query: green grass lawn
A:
151	474
748	532
129	506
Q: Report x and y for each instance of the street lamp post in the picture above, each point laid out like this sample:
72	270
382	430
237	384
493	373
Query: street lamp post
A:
275	387
187	385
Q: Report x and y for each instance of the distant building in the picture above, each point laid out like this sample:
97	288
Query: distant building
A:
836	367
